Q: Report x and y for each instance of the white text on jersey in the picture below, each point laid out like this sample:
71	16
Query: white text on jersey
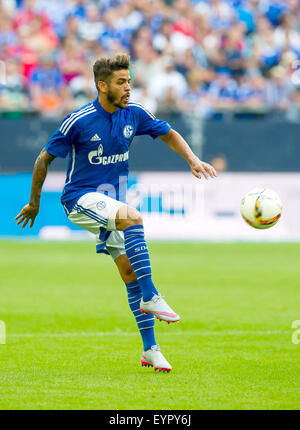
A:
94	158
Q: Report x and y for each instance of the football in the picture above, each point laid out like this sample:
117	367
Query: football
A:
261	208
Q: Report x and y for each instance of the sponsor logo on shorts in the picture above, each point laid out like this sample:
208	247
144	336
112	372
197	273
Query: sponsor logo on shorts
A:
100	205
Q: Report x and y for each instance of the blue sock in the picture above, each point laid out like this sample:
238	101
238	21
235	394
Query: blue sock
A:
138	255
145	322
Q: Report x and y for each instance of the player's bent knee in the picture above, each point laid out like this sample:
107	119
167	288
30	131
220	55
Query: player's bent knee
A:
127	217
134	217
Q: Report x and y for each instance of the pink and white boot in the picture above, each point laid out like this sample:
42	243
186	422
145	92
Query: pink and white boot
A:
154	358
159	308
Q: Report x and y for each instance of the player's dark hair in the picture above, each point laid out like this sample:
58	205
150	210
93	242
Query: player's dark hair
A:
104	68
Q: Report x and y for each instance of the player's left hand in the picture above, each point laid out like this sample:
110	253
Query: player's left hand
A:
199	167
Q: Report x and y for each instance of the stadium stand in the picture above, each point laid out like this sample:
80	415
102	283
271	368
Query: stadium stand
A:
199	57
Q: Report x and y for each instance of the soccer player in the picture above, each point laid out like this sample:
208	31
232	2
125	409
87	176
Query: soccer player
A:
97	138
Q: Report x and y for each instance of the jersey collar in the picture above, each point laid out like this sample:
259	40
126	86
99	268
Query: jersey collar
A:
102	111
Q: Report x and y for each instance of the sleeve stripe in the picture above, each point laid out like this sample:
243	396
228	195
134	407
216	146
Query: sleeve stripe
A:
144	109
72	116
77	118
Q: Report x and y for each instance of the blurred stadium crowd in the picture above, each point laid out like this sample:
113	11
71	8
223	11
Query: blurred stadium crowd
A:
195	56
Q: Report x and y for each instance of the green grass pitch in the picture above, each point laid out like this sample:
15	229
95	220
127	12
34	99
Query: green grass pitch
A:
72	341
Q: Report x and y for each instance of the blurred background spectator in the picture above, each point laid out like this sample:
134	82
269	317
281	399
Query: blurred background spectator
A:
201	57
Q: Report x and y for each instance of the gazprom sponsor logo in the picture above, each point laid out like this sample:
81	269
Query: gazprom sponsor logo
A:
96	158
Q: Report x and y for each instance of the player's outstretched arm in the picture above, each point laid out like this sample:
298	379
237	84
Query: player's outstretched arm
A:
177	143
30	211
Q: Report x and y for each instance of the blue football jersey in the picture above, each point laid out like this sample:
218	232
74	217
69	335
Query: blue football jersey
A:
98	146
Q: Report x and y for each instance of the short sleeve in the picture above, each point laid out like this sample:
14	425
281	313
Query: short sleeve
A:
60	143
148	123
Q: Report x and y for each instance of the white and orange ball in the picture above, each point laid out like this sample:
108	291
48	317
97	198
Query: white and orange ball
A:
261	208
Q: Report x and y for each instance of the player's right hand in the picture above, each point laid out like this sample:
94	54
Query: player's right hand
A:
199	168
28	213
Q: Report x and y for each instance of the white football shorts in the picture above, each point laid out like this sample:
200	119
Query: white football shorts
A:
96	212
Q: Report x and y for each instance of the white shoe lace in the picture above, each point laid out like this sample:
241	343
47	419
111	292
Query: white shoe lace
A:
155	348
157	298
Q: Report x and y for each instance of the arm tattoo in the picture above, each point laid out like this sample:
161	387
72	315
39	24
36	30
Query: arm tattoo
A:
39	175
